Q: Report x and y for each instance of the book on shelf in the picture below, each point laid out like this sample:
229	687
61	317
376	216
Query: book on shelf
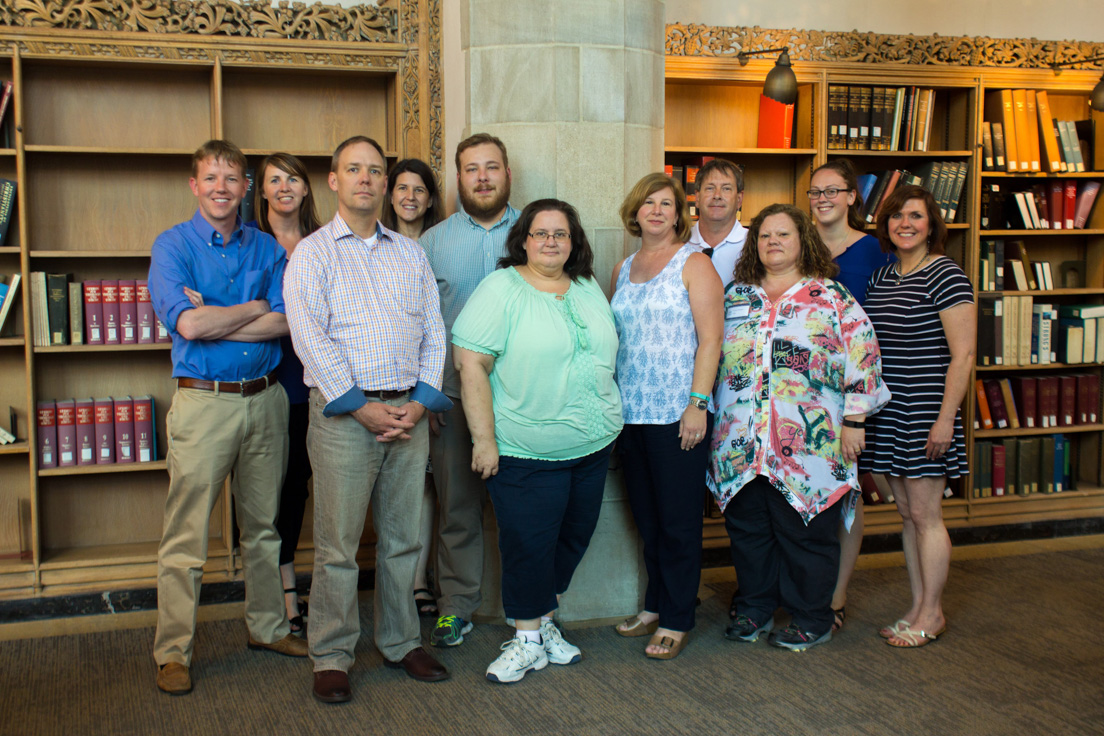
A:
7	305
105	430
990	323
124	430
86	432
1043	321
1071	341
109	294
1056	204
66	433
1069	204
775	123
998	469
1086	197
999	109
57	307
93	312
1032	125
984	452
1028	465
146	317
1046	464
1067	133
47	434
1023	144
985	416
987	146
991	215
145	437
1011	447
1067	401
245	209
7	207
1088	398
1051	157
1024	391
1009	403
997	407
128	312
1048	397
1061	449
837	117
76	313
998	146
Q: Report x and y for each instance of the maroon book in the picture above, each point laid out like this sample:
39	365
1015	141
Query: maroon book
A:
105	431
66	432
1048	401
998	469
128	312
1025	391
146	318
86	432
162	333
1067	401
47	434
996	403
144	438
124	430
93	313
109	290
1088	398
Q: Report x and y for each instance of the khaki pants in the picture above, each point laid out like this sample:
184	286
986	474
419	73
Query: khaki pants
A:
210	435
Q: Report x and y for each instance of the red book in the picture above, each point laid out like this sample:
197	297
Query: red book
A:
67	433
105	431
1025	391
128	312
1088	398
998	469
1047	393
1056	199
775	123
93	313
124	430
1084	203
1070	208
1067	401
996	403
109	289
47	434
162	333
146	318
144	437
86	432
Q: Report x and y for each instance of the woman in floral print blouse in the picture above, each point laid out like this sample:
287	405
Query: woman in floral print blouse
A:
800	370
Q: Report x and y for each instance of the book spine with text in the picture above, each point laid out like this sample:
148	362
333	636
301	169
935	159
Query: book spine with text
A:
146	318
109	290
66	433
93	313
86	432
47	434
128	312
145	439
76	313
105	431
124	430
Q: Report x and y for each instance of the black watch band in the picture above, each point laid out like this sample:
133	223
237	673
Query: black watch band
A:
853	424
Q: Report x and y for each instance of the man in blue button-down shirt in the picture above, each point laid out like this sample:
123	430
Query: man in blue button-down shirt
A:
218	288
463	250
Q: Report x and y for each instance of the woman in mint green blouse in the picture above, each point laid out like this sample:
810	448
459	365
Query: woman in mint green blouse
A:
536	348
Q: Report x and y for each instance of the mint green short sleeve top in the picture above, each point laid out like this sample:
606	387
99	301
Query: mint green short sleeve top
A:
552	384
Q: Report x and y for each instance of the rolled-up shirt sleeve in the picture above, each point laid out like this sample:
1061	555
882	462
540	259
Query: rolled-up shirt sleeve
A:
168	275
308	313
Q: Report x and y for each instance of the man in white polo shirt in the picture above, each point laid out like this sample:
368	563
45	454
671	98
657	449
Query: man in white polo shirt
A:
720	194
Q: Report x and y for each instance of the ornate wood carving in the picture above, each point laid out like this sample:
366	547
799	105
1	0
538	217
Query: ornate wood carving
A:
699	40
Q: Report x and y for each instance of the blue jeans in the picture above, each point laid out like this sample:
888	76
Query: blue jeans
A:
353	471
547	511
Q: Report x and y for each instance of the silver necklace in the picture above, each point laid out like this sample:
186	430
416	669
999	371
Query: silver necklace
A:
918	266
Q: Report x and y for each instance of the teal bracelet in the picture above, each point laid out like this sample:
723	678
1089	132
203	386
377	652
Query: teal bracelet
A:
696	395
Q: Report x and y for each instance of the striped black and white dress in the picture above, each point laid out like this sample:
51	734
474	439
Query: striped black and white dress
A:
915	357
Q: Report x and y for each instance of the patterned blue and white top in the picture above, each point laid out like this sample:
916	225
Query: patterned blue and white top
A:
655	358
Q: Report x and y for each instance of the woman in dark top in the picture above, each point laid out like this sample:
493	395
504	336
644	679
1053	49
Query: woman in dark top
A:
923	311
285	210
414	207
835	203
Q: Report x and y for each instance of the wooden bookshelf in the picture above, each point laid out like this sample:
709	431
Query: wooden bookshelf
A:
712	110
103	125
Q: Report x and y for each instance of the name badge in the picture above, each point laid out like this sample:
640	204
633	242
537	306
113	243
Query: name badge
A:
737	311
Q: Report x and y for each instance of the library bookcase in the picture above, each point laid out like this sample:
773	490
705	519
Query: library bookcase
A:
102	132
712	107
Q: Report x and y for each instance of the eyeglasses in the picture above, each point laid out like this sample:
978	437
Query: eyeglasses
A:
829	193
560	236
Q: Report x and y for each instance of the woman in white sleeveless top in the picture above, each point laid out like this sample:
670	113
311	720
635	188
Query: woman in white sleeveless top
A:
667	300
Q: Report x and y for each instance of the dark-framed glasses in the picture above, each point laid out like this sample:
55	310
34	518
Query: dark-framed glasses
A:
560	236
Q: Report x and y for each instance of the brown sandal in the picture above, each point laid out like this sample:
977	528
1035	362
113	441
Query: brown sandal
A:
639	628
674	647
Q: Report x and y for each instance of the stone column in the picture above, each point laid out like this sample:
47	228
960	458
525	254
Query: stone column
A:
575	90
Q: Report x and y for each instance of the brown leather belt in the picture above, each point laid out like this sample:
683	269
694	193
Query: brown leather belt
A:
244	388
387	394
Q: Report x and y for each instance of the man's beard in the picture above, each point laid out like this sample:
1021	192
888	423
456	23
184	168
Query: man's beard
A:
475	209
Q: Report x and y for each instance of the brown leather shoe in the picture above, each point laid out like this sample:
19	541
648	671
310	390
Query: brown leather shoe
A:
332	686
289	646
173	678
420	665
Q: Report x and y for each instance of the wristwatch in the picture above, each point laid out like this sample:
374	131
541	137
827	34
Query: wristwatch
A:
698	403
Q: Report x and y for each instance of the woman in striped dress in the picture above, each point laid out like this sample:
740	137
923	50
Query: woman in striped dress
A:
924	315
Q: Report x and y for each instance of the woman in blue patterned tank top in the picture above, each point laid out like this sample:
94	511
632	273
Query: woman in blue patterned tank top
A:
667	300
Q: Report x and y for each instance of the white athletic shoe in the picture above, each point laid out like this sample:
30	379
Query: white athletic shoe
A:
518	657
558	650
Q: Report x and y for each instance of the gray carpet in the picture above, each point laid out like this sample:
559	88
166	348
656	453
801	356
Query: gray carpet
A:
1024	654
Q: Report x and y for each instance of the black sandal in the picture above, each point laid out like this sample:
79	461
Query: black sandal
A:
840	616
296	623
427	607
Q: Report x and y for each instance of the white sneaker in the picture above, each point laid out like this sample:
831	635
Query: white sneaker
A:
518	657
557	649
